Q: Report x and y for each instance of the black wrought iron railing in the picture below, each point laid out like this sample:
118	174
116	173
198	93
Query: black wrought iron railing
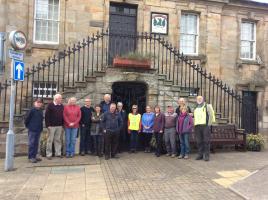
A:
96	52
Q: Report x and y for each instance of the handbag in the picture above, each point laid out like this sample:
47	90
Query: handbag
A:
153	142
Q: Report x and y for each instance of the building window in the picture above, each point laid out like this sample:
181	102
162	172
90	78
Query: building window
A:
189	34
248	40
44	89
46	22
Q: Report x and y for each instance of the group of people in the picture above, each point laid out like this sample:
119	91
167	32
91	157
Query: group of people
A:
104	128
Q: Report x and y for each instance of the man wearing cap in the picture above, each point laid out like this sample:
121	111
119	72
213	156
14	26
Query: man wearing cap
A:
170	131
34	124
203	119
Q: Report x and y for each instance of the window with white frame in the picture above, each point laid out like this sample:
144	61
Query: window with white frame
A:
189	33
44	89
248	40
46	22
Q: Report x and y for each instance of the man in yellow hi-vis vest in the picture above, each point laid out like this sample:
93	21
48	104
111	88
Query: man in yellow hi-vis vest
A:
204	116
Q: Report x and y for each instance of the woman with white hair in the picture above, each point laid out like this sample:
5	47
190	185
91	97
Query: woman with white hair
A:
72	116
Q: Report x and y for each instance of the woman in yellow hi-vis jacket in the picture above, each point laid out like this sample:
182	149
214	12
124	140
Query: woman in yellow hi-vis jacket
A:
204	116
134	127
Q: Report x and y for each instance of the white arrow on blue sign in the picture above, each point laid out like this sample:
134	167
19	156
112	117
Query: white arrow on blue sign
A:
18	70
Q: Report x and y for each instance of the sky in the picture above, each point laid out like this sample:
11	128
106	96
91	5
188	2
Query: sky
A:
263	1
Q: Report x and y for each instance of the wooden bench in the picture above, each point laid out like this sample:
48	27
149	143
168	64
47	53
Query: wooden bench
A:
226	134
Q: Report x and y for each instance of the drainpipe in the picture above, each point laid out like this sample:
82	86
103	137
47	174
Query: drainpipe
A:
2	51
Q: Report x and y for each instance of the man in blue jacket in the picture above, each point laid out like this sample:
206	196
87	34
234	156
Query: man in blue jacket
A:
34	124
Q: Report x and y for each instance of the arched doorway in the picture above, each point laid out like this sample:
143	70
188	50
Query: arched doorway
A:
130	93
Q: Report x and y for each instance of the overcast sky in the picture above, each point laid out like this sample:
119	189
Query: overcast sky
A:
264	1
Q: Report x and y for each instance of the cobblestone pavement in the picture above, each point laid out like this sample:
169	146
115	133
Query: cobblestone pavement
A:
133	176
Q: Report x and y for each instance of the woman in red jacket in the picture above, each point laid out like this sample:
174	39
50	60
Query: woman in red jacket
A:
71	116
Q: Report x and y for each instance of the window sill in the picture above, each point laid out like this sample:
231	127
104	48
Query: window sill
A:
248	62
46	46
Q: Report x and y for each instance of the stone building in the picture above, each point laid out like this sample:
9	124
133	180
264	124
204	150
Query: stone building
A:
227	38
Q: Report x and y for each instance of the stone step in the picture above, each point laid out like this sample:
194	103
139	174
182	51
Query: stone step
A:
175	88
162	77
218	115
91	79
81	84
99	73
168	83
222	120
184	93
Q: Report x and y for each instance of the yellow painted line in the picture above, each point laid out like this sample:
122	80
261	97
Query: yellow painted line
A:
230	177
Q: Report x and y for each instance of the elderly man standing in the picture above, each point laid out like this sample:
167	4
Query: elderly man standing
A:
54	124
123	131
181	103
85	124
105	104
111	124
203	119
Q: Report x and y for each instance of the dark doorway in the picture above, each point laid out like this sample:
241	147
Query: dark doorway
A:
249	112
130	93
122	29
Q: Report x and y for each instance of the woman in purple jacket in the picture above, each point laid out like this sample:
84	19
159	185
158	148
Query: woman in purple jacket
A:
184	127
158	129
147	122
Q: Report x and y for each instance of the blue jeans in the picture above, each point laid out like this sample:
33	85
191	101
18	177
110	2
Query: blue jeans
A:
33	140
184	142
70	138
133	140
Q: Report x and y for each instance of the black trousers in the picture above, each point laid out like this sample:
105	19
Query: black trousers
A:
85	139
122	143
202	133
159	139
111	143
147	139
98	144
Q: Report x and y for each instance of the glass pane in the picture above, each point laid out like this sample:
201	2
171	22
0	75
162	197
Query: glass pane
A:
189	23
126	10
247	31
188	44
112	9
245	49
133	11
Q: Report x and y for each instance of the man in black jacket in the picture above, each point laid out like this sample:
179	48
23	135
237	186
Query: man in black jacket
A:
85	124
111	124
123	132
34	123
54	124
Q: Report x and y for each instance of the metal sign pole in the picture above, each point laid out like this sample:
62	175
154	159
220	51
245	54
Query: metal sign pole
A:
18	41
10	138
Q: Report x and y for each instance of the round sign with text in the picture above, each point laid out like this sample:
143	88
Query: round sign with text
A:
18	40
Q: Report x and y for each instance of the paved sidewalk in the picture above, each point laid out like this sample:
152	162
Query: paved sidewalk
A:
133	176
